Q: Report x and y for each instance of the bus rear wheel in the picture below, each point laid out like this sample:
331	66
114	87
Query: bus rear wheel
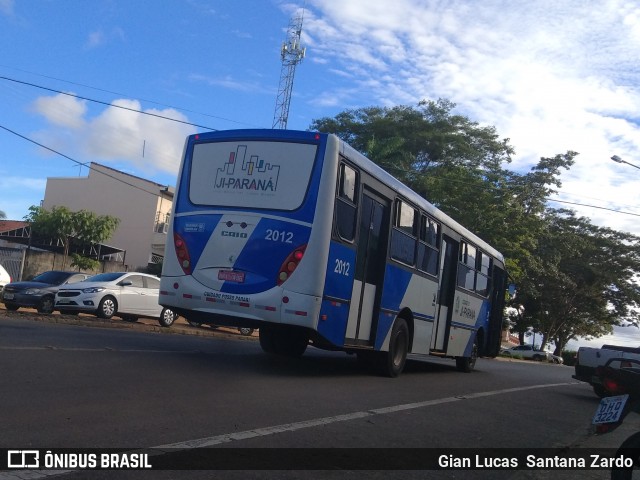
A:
391	363
286	341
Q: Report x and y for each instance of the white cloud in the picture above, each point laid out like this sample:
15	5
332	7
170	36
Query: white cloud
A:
120	132
62	110
99	37
551	76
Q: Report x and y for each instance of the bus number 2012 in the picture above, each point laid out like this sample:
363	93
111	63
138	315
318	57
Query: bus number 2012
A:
342	267
279	236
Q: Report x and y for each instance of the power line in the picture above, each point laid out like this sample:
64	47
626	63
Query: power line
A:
155	194
107	104
131	96
593	206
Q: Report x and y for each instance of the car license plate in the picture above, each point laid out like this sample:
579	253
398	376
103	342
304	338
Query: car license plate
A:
610	409
63	301
8	296
231	276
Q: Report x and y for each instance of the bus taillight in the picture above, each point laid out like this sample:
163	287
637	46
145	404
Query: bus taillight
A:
290	264
182	253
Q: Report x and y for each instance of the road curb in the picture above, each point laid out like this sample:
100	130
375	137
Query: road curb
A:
142	325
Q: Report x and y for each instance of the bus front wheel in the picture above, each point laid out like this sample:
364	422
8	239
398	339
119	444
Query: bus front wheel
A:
391	363
467	364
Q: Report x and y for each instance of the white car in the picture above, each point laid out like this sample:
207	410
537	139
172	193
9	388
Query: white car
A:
4	279
528	352
128	295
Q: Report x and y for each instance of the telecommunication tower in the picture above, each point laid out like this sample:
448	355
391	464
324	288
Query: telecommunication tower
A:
292	54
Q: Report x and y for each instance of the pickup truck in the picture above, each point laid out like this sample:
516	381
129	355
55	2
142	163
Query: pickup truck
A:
589	358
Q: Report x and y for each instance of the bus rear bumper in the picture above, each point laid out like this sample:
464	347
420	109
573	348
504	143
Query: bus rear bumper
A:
278	305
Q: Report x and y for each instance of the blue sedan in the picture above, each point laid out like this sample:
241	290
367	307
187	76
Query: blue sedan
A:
39	292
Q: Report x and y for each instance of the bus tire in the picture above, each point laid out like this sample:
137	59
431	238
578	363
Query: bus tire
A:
265	334
467	364
291	342
391	363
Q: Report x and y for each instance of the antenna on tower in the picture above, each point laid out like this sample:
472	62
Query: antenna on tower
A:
292	54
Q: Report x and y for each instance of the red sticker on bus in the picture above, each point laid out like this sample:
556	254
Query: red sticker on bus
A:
231	276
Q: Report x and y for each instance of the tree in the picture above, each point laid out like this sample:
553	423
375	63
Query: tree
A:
2	215
574	279
65	226
582	281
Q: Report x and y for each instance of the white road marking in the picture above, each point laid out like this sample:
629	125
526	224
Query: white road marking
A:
292	427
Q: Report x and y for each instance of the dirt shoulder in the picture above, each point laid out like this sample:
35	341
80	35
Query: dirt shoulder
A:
179	327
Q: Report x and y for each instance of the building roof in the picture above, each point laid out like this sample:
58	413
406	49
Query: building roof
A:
167	189
20	232
8	225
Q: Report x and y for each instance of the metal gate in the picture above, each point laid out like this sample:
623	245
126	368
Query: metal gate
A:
12	259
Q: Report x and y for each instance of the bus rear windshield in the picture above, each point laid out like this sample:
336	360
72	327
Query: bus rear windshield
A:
251	174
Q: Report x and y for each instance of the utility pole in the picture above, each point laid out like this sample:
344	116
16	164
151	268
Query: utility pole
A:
292	54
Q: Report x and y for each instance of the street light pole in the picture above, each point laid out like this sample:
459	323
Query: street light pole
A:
617	159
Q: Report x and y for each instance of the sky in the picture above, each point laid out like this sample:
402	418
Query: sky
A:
551	76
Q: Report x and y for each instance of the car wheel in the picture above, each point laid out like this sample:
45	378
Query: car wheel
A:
108	307
630	449
391	363
46	305
537	358
167	317
245	331
11	308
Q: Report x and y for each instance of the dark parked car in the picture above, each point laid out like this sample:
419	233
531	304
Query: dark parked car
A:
40	291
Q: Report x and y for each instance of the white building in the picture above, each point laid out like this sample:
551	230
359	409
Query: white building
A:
142	206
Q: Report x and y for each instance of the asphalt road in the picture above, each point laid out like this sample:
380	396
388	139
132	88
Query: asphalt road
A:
82	383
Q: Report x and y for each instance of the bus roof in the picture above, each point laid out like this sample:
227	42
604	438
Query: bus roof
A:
367	165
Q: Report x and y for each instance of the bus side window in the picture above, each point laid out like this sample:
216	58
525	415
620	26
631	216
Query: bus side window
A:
346	203
483	277
404	233
466	266
428	245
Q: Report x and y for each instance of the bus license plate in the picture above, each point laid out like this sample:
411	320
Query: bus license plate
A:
231	276
610	409
8	296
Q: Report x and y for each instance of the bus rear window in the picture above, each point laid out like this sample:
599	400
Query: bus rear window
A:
271	175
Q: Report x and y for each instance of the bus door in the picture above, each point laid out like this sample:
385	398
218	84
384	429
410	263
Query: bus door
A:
371	258
446	293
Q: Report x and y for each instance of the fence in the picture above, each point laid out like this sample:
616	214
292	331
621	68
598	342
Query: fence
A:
23	264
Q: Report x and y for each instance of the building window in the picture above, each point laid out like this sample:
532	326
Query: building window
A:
162	222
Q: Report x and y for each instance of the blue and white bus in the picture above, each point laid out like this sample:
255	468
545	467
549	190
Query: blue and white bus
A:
299	235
